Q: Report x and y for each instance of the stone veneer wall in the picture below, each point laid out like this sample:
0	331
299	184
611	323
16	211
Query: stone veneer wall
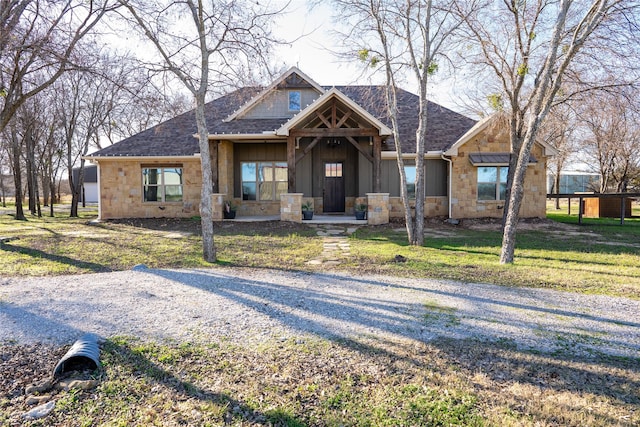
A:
377	208
465	203
434	206
121	189
217	206
291	207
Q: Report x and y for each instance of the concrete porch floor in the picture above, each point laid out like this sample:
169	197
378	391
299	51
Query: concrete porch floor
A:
317	219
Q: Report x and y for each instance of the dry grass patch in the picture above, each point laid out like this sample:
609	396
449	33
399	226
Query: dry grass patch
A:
313	382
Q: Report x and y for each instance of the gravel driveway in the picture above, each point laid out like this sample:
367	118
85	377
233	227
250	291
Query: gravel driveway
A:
251	305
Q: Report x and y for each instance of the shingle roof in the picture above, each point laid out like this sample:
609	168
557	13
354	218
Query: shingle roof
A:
444	127
174	137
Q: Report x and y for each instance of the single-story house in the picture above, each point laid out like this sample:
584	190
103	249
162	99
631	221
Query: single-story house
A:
295	142
89	192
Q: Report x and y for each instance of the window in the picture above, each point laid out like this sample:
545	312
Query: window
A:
264	180
294	100
410	172
162	184
333	170
492	182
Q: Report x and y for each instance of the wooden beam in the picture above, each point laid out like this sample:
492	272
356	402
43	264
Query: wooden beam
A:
334	118
360	149
308	148
323	118
213	157
291	164
343	119
342	132
377	164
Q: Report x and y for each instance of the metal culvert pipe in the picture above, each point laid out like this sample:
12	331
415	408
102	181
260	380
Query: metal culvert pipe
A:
83	354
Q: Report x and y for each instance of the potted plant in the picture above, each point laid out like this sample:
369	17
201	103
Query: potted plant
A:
229	211
307	210
361	211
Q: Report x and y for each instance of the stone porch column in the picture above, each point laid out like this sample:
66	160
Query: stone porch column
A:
377	208
291	207
217	206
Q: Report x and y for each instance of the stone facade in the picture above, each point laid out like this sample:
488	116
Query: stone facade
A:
121	189
377	208
434	206
291	207
121	196
464	200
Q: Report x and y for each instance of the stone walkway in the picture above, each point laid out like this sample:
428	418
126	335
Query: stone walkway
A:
335	244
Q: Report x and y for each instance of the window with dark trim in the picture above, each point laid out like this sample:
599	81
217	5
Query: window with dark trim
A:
492	182
264	180
162	184
410	172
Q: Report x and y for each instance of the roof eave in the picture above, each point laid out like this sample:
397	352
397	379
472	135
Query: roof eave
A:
243	136
93	158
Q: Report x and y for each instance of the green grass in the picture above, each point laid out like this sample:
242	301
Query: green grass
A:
325	383
600	257
603	258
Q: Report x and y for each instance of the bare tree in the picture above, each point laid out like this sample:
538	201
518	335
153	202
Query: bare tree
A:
38	39
529	48
84	103
140	105
205	44
612	144
558	130
42	40
398	38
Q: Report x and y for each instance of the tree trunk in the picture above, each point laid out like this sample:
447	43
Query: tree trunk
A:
206	214
516	194
17	174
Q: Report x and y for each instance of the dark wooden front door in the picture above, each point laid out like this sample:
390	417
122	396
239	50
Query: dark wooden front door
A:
333	194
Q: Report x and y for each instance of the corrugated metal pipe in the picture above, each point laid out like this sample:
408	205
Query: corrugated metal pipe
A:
83	354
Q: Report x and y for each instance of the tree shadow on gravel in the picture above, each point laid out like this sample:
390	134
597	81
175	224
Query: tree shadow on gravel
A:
370	324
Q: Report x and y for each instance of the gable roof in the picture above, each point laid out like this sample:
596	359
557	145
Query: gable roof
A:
333	93
293	78
482	125
175	137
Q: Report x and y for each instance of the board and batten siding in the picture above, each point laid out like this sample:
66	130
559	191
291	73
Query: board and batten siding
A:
435	174
276	104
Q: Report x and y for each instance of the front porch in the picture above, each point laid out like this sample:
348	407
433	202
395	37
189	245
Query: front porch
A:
376	207
317	219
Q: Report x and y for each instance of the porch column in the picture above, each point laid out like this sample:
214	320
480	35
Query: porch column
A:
377	163
291	163
291	207
377	208
217	206
213	149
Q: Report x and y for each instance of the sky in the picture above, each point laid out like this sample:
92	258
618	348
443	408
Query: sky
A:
312	52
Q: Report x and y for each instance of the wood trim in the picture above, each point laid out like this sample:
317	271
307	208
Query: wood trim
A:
291	163
309	148
323	118
344	132
377	164
360	149
344	119
213	149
